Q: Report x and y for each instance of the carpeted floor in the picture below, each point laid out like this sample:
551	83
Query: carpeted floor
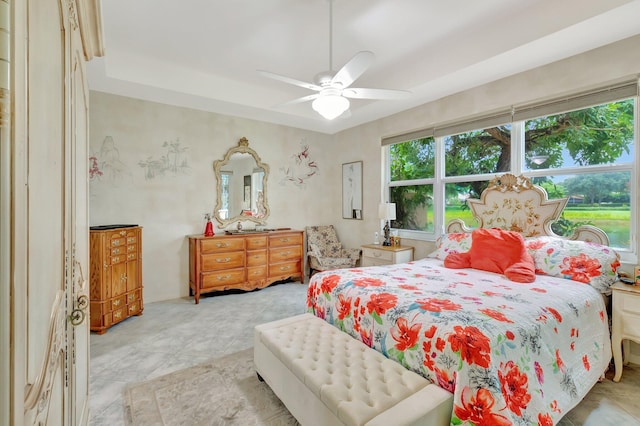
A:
223	391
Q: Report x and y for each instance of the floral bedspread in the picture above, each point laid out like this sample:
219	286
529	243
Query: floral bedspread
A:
510	353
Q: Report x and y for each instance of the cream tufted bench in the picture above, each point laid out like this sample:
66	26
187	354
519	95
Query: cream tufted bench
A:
325	377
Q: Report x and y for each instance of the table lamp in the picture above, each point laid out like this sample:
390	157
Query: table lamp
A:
387	212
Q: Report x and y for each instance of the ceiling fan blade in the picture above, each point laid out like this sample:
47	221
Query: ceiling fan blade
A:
300	100
353	69
360	93
290	80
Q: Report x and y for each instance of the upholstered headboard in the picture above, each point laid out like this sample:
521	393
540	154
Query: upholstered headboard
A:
514	203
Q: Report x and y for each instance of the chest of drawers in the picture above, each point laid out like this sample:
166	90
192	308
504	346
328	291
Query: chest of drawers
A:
244	261
115	288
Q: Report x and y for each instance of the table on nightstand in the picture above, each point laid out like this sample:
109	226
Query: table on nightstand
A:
376	254
626	322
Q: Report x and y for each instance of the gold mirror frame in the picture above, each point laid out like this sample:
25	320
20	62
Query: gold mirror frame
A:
242	148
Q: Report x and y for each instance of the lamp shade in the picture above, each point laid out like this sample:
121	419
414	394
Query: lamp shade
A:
330	106
387	211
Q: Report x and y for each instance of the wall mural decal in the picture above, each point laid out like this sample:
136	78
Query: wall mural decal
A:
300	168
173	163
106	164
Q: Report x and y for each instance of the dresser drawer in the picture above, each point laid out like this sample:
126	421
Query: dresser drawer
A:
120	314
381	255
257	273
254	243
285	253
114	260
218	245
284	269
118	251
118	242
218	261
217	279
118	302
631	303
132	256
285	240
133	296
256	257
370	261
134	308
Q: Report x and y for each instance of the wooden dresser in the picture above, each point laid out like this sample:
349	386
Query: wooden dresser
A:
245	261
116	275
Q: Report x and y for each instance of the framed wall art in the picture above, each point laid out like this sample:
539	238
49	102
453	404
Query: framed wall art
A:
352	190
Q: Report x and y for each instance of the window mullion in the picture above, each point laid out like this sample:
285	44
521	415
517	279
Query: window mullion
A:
439	201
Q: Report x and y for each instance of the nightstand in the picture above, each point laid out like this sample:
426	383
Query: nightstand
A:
626	322
376	255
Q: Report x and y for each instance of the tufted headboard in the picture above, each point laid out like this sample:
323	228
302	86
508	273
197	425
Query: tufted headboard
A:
514	203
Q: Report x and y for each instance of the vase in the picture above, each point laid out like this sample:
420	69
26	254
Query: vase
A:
208	229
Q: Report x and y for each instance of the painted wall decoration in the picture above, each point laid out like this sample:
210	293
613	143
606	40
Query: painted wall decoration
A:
300	168
174	162
106	163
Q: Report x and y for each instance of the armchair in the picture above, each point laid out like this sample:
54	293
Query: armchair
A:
325	251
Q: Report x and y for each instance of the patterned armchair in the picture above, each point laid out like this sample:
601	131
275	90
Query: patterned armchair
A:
325	251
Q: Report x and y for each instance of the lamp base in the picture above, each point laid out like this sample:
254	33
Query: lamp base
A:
387	240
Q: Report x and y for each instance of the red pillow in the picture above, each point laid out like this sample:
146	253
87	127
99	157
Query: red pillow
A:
496	250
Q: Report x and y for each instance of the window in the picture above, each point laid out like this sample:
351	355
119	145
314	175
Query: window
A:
582	148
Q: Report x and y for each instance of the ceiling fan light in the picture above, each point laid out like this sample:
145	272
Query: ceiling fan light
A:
330	106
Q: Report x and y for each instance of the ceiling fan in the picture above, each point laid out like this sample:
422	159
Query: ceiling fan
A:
334	87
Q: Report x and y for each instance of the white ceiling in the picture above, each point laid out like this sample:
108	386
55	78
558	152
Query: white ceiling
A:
204	54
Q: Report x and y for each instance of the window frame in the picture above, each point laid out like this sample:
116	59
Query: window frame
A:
439	180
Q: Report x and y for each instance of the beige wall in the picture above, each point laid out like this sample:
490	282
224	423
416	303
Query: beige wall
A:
172	206
170	202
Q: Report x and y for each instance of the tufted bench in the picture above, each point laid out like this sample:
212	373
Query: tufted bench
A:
325	377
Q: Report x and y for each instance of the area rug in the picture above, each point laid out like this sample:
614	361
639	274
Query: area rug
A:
224	391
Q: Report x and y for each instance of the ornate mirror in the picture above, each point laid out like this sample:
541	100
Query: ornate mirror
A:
241	186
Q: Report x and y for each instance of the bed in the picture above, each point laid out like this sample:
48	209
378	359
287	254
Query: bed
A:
509	352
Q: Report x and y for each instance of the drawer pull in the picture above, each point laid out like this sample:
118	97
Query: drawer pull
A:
132	297
116	302
123	233
115	259
123	277
131	240
285	268
115	242
116	251
286	253
131	256
219	245
117	315
284	240
225	260
376	254
223	277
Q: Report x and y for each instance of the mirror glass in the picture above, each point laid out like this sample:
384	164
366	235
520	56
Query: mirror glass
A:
241	186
